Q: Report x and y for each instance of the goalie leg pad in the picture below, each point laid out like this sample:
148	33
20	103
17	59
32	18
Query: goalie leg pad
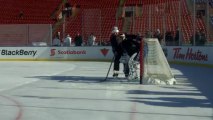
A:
134	68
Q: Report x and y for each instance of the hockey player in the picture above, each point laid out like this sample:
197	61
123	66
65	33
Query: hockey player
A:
125	57
116	43
132	47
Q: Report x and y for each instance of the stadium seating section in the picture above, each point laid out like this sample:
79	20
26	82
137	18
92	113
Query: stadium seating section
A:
99	17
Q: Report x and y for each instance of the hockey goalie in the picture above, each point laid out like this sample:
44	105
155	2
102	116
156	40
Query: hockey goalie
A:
155	68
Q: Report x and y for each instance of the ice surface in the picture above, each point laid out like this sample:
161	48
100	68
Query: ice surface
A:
76	91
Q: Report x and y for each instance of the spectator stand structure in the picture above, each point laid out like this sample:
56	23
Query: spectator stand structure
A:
99	17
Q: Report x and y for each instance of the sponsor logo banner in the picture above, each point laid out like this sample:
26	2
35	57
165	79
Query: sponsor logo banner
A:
54	52
104	51
189	54
18	52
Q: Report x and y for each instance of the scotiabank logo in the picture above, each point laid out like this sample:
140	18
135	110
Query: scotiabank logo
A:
104	51
52	52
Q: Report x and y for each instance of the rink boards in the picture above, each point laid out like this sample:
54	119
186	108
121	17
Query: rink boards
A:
175	54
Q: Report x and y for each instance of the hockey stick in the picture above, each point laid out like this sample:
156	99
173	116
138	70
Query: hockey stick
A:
109	68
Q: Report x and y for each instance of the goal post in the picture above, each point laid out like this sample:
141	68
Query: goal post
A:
154	67
141	61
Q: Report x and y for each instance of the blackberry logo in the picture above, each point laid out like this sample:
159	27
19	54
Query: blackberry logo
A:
20	52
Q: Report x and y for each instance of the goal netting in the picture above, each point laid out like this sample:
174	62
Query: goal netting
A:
153	67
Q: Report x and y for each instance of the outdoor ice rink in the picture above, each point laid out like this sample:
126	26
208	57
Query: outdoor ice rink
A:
74	91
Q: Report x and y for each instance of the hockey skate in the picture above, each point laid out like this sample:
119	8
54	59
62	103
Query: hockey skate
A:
115	74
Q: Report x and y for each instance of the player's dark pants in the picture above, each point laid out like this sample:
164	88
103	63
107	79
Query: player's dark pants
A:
126	69
117	61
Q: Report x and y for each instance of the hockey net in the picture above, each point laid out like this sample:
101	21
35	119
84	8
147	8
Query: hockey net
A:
154	67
